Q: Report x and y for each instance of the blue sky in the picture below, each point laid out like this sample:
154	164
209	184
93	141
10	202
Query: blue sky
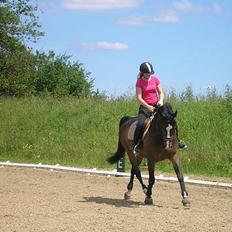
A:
188	42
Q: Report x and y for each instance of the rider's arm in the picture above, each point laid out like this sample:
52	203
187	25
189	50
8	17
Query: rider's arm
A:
141	101
161	95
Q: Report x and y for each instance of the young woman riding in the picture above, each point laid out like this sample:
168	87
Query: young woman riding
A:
149	94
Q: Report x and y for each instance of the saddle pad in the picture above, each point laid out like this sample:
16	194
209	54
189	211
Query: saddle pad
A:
131	130
132	127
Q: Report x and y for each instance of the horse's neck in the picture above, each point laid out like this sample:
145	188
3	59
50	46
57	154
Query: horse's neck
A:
156	128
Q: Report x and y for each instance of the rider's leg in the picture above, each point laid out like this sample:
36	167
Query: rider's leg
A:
182	144
139	131
137	137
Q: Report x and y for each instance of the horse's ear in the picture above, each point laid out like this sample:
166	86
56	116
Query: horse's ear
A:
175	114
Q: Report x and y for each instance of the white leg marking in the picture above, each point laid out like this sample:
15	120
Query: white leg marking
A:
185	195
145	191
128	193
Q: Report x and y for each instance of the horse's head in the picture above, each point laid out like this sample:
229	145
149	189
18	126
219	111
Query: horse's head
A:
165	124
167	114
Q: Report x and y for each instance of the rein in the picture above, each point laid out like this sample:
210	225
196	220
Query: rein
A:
148	124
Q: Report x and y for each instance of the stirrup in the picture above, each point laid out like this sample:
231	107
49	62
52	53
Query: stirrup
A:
136	149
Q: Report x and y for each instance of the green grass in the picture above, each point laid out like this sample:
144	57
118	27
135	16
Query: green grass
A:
83	133
207	125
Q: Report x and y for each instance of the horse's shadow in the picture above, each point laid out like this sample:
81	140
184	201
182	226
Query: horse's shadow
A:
122	202
114	202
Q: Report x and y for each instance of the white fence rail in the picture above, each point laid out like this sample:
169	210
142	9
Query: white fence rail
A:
111	173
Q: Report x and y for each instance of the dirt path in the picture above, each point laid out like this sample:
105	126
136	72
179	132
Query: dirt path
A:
42	200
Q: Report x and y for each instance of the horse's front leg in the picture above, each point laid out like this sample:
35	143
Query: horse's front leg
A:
151	181
176	165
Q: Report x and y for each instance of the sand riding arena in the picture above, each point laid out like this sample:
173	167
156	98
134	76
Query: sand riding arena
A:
49	200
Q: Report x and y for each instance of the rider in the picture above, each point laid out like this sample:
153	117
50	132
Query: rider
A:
149	94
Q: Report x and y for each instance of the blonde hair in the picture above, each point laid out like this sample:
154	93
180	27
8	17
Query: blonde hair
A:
140	74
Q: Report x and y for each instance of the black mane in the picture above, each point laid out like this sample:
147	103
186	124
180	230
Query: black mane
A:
167	113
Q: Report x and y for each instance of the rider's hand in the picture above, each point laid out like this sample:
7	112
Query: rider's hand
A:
150	108
160	103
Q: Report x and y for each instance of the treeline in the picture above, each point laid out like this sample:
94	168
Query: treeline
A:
24	72
187	95
211	94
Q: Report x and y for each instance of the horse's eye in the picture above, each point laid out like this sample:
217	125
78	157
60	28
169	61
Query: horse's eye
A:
163	115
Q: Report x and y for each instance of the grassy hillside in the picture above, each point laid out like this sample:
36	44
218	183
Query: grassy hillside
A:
84	132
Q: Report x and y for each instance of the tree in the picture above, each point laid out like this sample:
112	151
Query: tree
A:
187	94
58	76
18	25
17	76
23	73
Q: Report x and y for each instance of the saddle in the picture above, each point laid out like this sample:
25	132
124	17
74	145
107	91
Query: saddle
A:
132	127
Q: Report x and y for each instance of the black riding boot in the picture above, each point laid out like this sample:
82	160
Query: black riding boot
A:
137	139
182	145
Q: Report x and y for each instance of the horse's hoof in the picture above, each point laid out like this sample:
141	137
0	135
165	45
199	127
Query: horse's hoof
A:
186	202
126	196
148	201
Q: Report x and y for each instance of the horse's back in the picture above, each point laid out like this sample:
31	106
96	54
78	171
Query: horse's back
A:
127	120
125	125
123	120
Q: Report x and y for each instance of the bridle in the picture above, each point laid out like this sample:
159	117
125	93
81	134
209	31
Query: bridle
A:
171	125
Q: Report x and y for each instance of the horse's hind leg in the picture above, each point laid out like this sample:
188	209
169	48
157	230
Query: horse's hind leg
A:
127	194
135	171
139	177
176	165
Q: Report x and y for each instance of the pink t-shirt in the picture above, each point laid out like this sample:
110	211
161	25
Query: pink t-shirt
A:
149	89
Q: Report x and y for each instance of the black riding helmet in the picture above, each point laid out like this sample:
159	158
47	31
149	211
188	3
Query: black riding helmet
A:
146	67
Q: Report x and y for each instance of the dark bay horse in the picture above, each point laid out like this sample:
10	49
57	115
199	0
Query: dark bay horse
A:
159	143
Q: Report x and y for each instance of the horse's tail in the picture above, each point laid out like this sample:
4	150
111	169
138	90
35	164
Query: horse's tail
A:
117	155
121	150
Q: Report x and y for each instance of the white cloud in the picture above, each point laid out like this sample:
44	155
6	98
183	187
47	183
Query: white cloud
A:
167	16
133	21
216	8
99	4
173	13
51	5
187	6
103	45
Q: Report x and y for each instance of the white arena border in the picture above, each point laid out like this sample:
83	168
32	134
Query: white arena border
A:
111	173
